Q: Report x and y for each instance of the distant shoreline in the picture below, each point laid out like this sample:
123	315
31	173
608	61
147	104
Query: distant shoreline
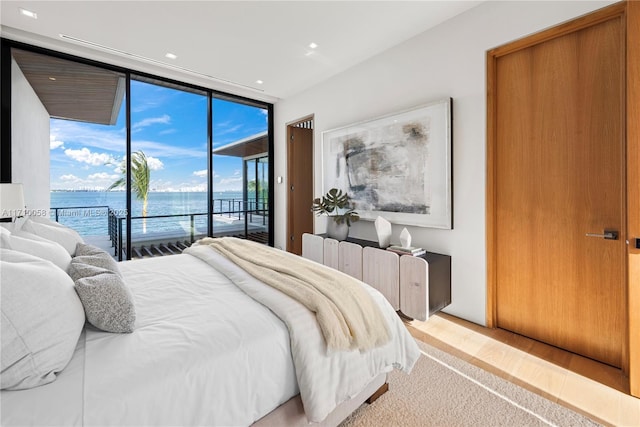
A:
150	191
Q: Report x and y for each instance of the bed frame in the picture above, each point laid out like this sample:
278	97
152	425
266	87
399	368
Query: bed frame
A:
291	413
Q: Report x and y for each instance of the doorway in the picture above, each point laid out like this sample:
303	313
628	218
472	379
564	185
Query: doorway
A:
556	187
300	182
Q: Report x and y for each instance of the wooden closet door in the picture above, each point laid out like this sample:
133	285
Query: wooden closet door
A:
559	175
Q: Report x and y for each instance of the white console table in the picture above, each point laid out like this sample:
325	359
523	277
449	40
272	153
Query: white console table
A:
416	286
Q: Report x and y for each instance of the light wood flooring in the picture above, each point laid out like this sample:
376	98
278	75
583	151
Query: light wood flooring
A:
596	390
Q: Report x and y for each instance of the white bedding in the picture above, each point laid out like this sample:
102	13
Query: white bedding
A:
239	341
326	378
240	369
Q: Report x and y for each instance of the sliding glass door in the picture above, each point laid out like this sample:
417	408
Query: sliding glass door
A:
168	167
257	198
240	165
145	164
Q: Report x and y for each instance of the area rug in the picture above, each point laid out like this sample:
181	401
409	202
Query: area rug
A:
444	390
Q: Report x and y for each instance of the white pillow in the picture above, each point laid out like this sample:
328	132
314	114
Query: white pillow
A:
31	244
42	318
5	237
65	236
9	226
45	220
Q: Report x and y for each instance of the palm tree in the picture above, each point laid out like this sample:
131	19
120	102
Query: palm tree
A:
140	177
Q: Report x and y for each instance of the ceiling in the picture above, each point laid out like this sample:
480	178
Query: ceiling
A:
71	90
228	45
247	147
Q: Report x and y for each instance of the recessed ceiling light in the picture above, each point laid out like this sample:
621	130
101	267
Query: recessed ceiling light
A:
53	79
313	45
154	61
28	13
259	82
171	56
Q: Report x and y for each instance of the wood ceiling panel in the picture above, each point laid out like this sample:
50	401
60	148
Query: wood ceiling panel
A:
71	90
248	147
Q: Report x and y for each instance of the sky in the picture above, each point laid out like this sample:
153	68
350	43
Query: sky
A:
170	127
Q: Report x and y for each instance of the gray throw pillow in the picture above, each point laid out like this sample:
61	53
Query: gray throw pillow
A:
85	249
101	260
108	303
79	270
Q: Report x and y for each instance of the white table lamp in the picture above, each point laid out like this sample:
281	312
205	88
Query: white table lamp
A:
11	201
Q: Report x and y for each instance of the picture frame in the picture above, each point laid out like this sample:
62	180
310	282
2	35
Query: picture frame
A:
398	166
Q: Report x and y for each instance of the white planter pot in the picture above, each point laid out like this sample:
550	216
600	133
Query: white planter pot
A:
337	231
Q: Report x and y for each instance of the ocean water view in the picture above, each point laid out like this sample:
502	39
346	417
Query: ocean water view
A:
94	221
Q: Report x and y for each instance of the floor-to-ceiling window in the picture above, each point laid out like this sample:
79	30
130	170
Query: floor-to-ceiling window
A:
155	166
168	165
240	186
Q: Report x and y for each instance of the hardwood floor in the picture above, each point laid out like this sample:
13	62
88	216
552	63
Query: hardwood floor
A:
594	389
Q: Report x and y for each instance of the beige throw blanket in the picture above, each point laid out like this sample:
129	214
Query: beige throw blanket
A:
348	317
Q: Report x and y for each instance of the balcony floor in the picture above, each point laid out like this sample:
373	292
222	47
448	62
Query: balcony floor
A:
167	245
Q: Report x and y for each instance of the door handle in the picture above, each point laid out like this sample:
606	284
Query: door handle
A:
608	235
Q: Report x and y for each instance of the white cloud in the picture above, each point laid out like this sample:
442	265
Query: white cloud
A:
84	155
55	143
154	164
102	176
165	119
228	184
69	178
113	140
158	149
226	128
201	174
227	181
97	181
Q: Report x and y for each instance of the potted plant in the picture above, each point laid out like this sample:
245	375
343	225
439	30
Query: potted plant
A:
336	205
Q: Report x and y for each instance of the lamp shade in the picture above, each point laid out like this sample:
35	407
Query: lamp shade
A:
11	200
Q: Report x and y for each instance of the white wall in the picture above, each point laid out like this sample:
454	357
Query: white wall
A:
446	61
29	141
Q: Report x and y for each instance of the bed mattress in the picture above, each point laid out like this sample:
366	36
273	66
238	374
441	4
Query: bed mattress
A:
157	376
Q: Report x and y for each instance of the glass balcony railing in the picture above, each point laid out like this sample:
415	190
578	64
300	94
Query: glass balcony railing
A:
166	234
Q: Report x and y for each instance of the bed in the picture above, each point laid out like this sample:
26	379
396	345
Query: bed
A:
204	352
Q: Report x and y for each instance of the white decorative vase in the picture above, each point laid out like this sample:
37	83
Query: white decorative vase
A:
405	238
383	229
337	231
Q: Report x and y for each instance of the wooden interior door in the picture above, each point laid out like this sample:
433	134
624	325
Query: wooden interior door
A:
559	174
300	181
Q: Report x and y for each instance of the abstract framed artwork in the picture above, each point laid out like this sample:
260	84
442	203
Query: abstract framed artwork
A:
398	166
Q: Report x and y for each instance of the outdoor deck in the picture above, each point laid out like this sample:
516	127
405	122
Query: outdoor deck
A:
153	243
162	244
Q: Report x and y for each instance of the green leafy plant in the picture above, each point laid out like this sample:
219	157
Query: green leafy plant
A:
336	205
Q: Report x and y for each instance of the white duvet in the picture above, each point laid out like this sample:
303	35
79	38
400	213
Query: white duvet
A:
203	353
325	378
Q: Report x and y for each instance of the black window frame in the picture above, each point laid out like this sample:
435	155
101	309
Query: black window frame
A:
5	122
